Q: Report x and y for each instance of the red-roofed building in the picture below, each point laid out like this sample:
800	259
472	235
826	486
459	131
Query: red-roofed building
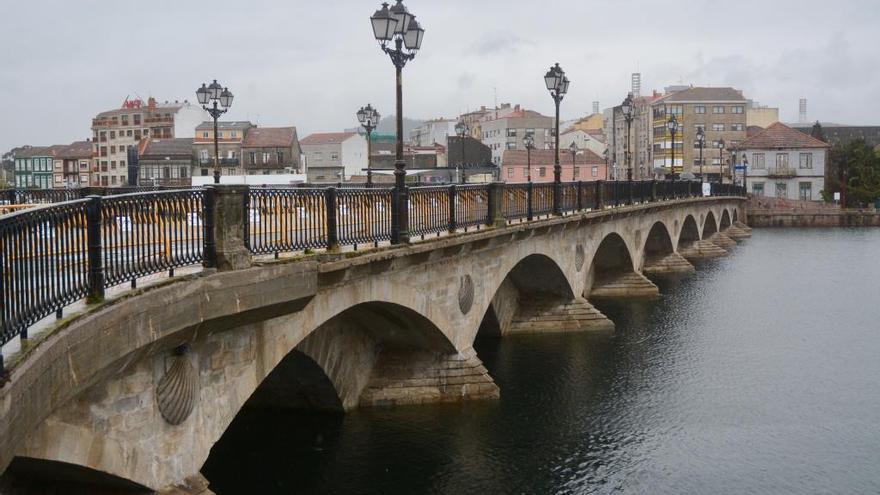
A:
334	156
785	163
271	150
73	165
585	166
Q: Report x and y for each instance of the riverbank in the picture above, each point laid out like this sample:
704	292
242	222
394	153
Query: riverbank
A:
774	212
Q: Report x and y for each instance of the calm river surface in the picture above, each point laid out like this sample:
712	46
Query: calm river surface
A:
759	374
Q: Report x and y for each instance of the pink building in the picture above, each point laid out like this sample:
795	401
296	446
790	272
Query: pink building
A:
586	166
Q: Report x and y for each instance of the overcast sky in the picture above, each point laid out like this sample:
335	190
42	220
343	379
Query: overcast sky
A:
313	64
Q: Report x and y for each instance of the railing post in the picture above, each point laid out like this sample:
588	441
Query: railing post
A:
450	198
496	202
10	196
629	185
95	253
400	214
332	231
580	195
208	209
529	211
654	190
231	225
600	194
557	195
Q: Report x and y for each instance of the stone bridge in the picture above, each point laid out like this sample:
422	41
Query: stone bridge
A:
138	389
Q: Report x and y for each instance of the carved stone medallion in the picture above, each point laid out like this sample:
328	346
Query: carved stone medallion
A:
177	391
465	294
579	257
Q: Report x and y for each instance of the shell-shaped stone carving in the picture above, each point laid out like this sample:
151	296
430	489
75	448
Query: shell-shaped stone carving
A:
579	257
177	391
466	294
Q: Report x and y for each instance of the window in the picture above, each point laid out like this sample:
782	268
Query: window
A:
781	190
104	167
757	188
758	161
334	156
736	109
511	132
697	127
577	172
137	135
234	134
113	179
718	127
510	173
525	172
718	109
511	145
699	109
675	110
595	172
112	134
137	119
806	160
542	171
265	157
781	160
128	133
280	156
204	172
121	163
125	120
113	150
737	127
805	191
205	135
112	164
530	132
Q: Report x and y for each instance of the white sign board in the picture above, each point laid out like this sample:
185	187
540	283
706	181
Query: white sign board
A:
837	196
707	189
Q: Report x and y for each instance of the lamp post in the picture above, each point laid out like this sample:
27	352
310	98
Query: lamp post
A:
218	96
721	161
701	138
672	125
462	130
573	149
397	25
557	85
627	110
732	166
529	142
605	156
369	119
745	173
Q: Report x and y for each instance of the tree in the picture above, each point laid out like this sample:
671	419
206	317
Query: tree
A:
856	165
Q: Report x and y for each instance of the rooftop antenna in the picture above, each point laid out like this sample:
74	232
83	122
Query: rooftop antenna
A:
495	91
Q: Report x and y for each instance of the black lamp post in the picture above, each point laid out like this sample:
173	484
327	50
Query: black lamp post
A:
672	125
397	25
369	119
557	84
461	129
573	149
627	109
219	97
529	143
732	166
721	161
745	173
701	138
605	156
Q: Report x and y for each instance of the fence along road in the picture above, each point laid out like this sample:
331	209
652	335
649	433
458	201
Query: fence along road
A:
54	255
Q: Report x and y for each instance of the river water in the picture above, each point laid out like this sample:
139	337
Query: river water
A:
759	374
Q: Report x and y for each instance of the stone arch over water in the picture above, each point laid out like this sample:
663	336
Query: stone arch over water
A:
658	243
710	226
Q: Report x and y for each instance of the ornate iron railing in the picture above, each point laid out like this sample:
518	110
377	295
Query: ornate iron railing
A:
472	205
285	219
430	209
542	198
516	201
363	216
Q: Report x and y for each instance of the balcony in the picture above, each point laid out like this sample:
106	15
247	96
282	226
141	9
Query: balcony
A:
224	162
159	120
781	172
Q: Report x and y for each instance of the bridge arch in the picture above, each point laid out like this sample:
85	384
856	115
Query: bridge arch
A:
710	226
725	220
658	243
690	233
735	215
536	277
612	259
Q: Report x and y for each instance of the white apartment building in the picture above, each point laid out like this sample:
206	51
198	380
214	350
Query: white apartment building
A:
432	132
785	163
507	133
583	140
334	156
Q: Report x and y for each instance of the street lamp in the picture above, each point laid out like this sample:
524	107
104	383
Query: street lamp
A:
573	149
462	130
605	156
672	125
397	25
218	96
557	85
369	119
745	173
732	166
529	143
701	138
721	161
627	109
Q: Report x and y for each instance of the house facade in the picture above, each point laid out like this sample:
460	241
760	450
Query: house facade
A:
230	135
507	133
72	166
271	150
583	166
785	163
34	167
334	156
165	162
583	140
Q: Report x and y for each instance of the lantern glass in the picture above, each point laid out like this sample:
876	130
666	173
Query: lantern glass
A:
402	16
383	24
226	98
413	37
202	94
214	90
551	79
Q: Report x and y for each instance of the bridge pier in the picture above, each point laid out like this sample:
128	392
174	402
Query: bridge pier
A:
669	264
736	233
721	240
701	250
555	315
624	286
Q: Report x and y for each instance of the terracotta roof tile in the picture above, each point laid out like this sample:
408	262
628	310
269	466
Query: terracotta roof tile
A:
327	137
168	147
75	150
779	135
266	137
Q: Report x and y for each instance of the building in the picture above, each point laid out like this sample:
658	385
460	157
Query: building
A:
641	139
334	156
585	166
592	122
230	135
720	112
116	131
165	162
583	140
432	132
836	134
271	150
34	167
761	116
72	166
785	163
474	153
507	132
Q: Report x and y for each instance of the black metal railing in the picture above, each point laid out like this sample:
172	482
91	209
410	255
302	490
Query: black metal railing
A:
54	255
